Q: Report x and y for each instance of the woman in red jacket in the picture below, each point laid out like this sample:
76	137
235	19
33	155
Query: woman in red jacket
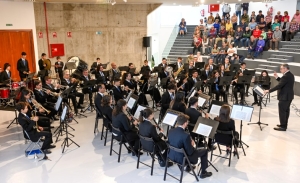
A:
286	15
256	32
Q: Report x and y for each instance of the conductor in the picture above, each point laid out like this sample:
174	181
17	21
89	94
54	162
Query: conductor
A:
285	95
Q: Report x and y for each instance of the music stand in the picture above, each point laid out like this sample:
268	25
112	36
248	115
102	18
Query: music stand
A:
228	73
244	80
243	113
152	85
225	81
88	84
190	93
206	128
132	70
202	100
29	78
70	66
249	73
170	118
132	101
260	92
124	68
235	67
198	85
215	106
199	65
104	66
172	65
138	110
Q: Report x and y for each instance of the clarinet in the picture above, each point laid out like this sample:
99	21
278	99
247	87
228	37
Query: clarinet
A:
159	128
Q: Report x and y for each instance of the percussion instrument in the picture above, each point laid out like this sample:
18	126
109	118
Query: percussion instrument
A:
80	66
4	93
15	85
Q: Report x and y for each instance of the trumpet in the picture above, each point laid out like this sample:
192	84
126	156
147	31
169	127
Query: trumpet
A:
33	114
64	87
38	105
51	93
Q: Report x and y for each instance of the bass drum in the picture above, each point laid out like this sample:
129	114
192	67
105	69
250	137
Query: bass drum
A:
80	66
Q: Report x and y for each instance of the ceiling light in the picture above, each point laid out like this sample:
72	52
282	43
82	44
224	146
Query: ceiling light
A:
174	4
125	1
218	1
196	2
240	0
202	1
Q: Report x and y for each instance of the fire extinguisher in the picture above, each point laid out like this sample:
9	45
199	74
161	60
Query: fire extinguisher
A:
271	10
202	12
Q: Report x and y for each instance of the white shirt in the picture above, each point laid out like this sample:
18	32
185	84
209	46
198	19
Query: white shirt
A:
199	59
231	49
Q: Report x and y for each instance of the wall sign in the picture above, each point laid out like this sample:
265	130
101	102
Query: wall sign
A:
54	34
69	34
40	35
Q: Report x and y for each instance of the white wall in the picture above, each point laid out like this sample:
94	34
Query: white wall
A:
21	15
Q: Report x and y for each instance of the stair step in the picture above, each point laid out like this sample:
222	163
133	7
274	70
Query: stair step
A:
264	65
278	59
289	49
291	46
261	69
296	40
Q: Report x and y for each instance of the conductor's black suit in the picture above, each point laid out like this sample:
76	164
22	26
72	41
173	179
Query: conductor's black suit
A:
285	95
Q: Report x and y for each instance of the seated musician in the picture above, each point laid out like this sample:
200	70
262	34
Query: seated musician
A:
131	66
5	76
221	70
178	103
100	76
100	94
121	121
40	112
29	125
53	89
106	110
166	98
193	80
216	88
191	65
145	67
147	89
41	97
264	82
66	81
238	88
114	72
227	64
165	74
59	67
86	89
179	64
211	64
205	75
95	65
183	85
147	129
178	138
118	92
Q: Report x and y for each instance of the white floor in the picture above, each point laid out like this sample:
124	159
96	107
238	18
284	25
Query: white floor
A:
272	156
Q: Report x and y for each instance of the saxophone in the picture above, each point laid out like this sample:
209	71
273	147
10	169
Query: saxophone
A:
178	71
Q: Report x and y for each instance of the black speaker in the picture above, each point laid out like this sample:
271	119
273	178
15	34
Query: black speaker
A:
146	41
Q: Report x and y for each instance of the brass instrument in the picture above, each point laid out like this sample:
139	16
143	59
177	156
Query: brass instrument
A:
47	62
33	114
178	71
38	105
51	93
141	81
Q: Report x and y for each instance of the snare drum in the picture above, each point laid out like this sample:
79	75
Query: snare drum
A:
15	85
4	93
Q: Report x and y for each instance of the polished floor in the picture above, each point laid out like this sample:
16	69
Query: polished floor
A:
272	156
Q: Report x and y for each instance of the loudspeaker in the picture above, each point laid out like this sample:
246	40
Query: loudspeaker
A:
146	41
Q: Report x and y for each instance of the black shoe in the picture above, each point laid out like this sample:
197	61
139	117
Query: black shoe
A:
254	103
234	153
80	107
241	103
45	158
236	102
227	151
188	169
278	126
206	174
52	146
129	151
136	153
47	151
51	126
163	163
280	129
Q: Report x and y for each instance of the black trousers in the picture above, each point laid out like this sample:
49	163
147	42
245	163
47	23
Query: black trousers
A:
90	92
196	48
218	93
48	138
74	102
50	107
161	146
44	122
284	36
242	92
133	139
155	94
284	112
202	153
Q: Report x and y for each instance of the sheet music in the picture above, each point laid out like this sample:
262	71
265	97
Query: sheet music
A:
193	93
203	130
257	89
201	101
58	102
131	102
63	115
170	119
242	113
215	110
138	110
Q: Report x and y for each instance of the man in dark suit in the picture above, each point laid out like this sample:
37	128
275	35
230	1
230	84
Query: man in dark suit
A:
95	65
178	138
54	89
163	63
22	66
243	69
205	75
193	80
6	74
179	64
87	89
42	67
285	95
114	72
166	98
59	67
211	64
100	94
118	92
30	127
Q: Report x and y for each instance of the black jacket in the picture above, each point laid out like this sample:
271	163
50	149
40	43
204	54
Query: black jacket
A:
165	102
4	76
121	121
118	93
285	87
101	79
97	101
191	83
27	125
204	76
41	97
180	107
193	114
41	64
21	68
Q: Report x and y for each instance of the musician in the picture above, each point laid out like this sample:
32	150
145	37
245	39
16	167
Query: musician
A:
163	63
117	91
178	138
216	87
147	89
29	126
100	94
86	89
42	98
167	97
131	66
183	85
95	65
178	103
179	64
147	129
165	74
221	70
211	64
145	68
66	81
263	82
58	67
107	110
5	76
227	64
121	121
238	88
193	80
43	121
114	72
42	66
99	74
23	67
191	65
54	89
243	69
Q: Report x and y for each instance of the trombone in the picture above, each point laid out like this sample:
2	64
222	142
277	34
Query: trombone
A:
51	93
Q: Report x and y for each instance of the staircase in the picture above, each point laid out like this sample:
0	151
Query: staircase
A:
182	45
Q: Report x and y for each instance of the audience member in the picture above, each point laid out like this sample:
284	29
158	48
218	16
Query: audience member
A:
245	38
243	25
261	24
238	36
259	16
252	17
234	20
252	25
296	17
275	24
268	20
221	35
228	25
294	28
218	17
277	35
217	25
284	27
259	47
285	15
245	17
256	32
251	46
278	17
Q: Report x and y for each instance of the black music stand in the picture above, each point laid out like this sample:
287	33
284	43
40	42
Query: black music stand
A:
244	80
70	66
152	85
198	85
235	67
262	81
131	103
132	70
123	68
249	73
260	92
206	128
89	84
199	65
104	66
225	81
170	119
229	73
243	113
65	94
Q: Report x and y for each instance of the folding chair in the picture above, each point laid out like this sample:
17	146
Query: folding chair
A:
181	165
225	138
98	116
105	118
35	144
122	141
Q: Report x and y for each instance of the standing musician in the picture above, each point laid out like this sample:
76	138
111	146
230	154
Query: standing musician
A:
58	67
264	82
243	69
66	81
114	72
6	74
178	138
22	66
40	112
87	89
53	89
216	87
163	63
178	103
43	66
166	98
117	91
100	94
106	109
147	129
152	91
95	65
42	98
121	121
29	125
145	68
238	88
